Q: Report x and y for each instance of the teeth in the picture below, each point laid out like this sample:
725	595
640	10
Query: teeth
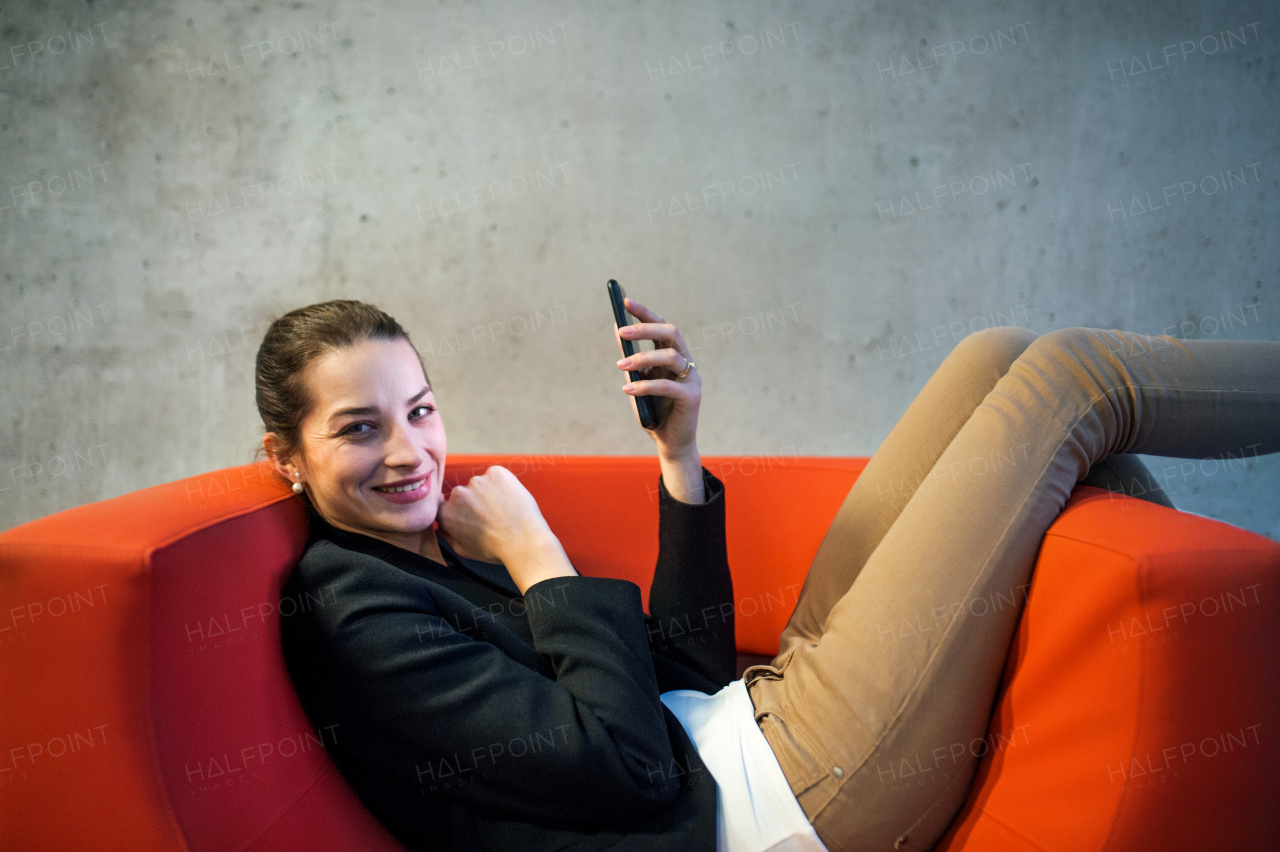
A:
399	489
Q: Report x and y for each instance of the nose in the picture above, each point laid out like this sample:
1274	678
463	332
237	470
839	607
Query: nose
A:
401	450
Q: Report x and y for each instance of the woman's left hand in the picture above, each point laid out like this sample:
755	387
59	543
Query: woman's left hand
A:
677	399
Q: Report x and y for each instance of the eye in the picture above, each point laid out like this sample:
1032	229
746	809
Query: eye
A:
351	430
426	407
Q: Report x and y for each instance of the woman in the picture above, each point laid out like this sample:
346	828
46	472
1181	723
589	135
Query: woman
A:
488	697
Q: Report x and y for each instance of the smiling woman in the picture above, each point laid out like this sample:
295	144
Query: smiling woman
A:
486	696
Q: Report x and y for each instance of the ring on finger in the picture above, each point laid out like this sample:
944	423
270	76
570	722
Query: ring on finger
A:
688	365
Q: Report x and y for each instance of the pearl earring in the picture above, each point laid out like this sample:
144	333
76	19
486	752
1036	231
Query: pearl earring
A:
297	486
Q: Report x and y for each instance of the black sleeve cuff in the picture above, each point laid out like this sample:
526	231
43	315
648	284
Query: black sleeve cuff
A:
712	488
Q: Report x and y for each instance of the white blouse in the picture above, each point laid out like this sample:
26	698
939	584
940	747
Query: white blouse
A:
755	808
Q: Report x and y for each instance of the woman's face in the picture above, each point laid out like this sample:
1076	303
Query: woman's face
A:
373	447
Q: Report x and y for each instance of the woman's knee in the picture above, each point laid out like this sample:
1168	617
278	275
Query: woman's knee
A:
1074	343
1077	362
997	347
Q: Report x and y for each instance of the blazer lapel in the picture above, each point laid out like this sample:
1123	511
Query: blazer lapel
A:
449	582
491	574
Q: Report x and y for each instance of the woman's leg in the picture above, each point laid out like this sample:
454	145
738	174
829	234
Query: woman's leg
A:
911	654
896	469
903	460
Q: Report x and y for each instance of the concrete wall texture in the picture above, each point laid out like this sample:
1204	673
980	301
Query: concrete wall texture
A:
825	196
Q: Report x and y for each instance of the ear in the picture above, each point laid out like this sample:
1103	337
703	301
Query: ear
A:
286	466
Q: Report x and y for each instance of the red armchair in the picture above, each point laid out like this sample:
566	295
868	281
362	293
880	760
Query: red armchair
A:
144	702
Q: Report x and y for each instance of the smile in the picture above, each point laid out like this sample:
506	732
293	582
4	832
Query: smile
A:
401	489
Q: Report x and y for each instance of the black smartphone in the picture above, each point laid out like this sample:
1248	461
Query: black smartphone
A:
646	406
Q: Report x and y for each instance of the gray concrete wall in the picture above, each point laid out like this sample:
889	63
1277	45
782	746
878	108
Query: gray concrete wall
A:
825	196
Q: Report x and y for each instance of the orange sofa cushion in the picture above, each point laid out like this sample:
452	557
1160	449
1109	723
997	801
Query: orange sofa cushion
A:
1140	704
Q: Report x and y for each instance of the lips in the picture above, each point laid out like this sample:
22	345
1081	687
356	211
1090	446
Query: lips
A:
405	490
401	489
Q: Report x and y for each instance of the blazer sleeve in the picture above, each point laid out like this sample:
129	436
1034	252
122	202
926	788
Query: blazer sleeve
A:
691	600
589	746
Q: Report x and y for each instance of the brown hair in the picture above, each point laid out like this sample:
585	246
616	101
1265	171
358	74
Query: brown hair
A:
295	340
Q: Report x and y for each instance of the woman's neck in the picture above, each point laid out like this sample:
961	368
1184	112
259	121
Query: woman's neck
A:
421	542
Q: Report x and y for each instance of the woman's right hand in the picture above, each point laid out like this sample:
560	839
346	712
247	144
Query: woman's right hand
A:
494	518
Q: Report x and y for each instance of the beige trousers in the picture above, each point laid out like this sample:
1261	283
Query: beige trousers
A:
894	652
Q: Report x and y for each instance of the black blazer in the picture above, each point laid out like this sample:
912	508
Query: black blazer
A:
470	717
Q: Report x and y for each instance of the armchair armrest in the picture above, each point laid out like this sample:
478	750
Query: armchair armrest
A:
1140	704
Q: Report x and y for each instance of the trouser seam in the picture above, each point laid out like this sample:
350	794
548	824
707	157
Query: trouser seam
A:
959	775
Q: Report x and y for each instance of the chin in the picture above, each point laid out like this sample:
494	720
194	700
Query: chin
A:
415	521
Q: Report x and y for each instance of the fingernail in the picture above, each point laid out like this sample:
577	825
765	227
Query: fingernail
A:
628	386
622	362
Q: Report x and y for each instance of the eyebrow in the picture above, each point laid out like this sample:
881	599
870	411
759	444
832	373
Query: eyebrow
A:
371	409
